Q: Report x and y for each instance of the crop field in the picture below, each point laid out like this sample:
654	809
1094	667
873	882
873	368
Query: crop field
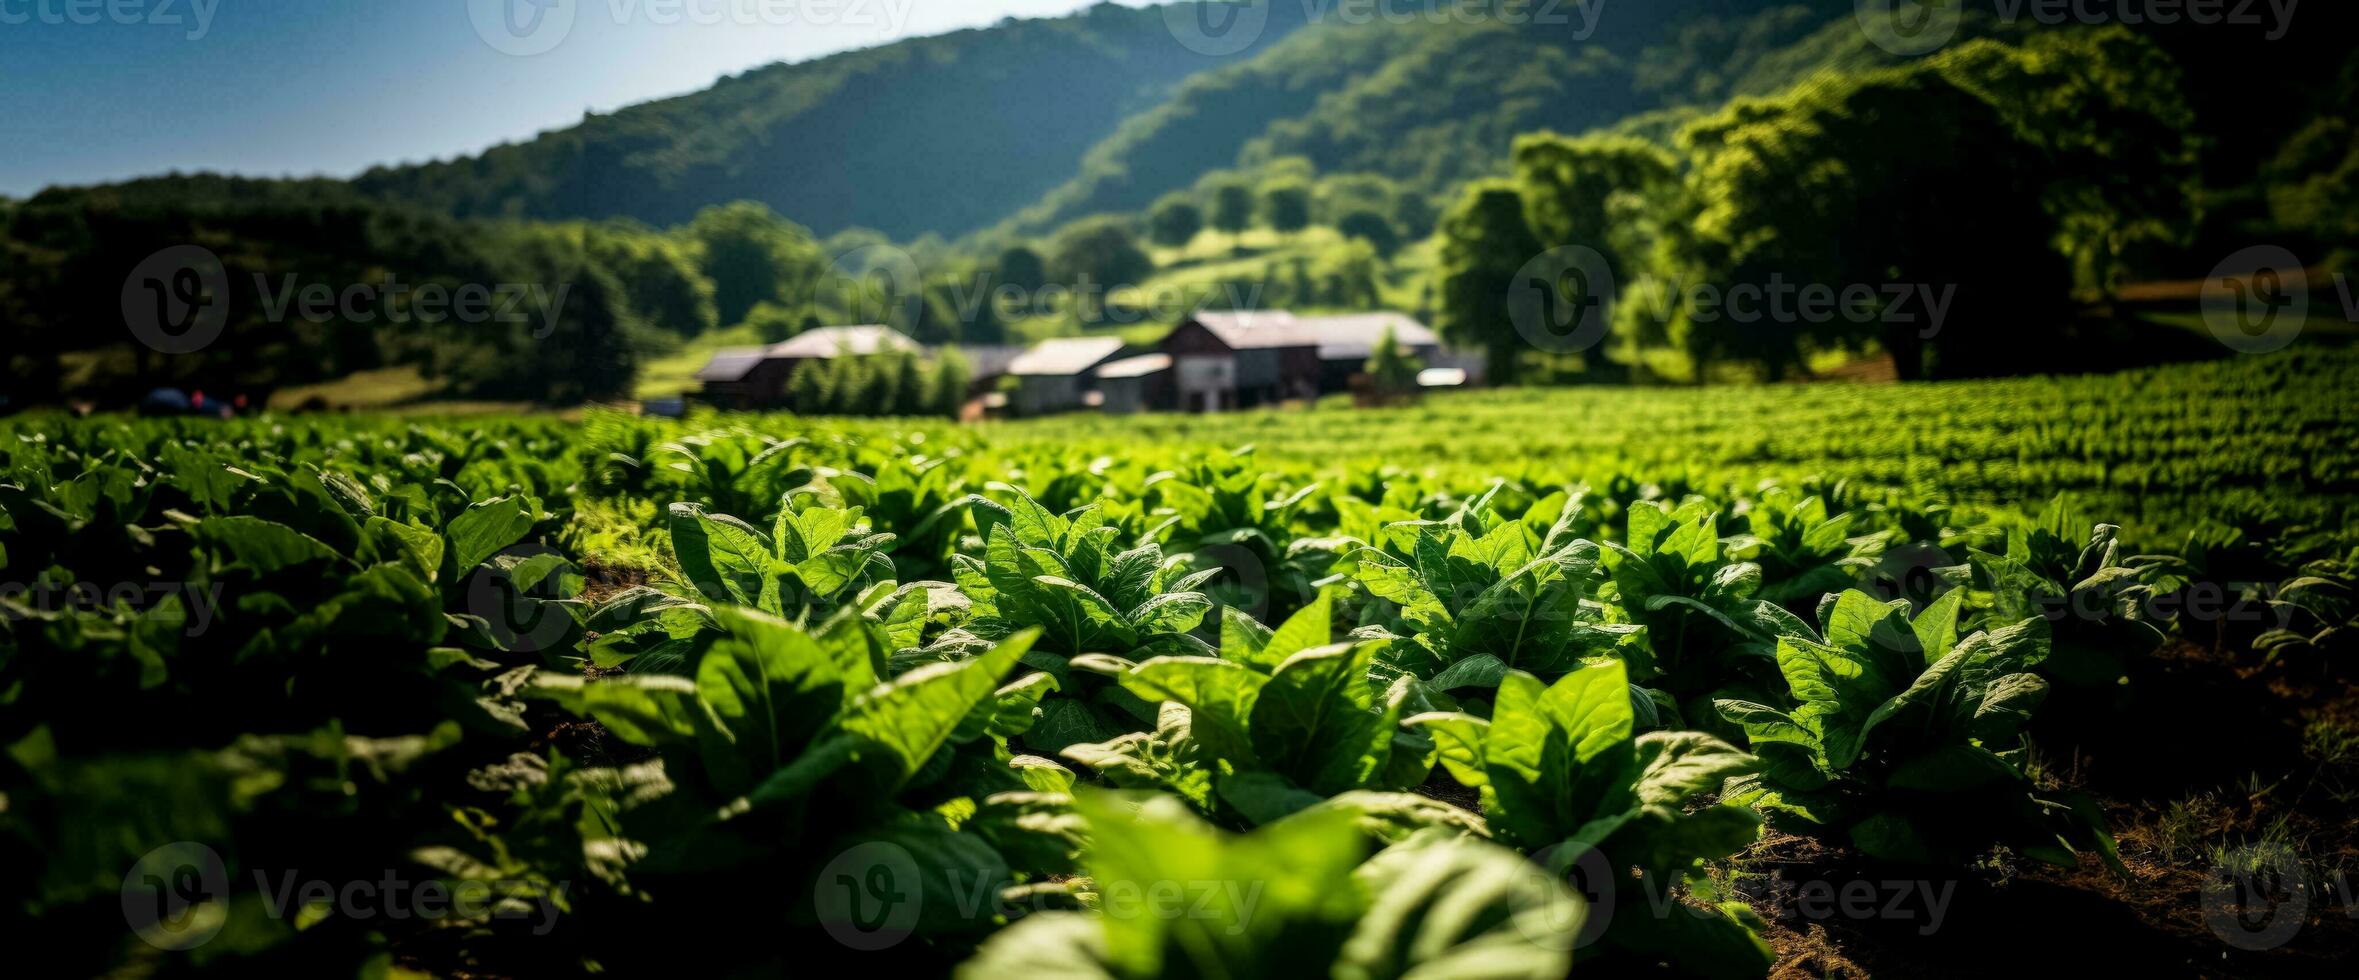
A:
1821	680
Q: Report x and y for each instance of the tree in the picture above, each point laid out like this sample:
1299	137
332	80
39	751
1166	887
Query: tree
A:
1347	276
587	348
1175	222
1370	227
1569	187
1782	186
2104	108
810	390
1232	207
1021	267
1286	207
1484	244
854	391
1414	214
1391	367
773	323
909	385
660	274
949	383
1096	255
752	255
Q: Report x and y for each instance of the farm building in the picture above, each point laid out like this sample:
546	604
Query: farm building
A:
1059	375
987	363
1135	384
1239	359
755	377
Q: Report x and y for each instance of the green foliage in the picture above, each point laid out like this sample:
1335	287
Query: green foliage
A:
1706	628
2060	569
1485	242
1286	208
1280	720
488	653
753	256
1391	367
1480	595
1904	739
1371	227
1562	773
1232	207
1296	898
1174	222
1095	256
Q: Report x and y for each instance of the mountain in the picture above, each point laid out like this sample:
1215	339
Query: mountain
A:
1030	123
940	134
1020	128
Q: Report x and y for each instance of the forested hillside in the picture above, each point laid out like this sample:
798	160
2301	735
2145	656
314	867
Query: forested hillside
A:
935	134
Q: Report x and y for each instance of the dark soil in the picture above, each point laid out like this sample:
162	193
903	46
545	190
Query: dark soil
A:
2208	757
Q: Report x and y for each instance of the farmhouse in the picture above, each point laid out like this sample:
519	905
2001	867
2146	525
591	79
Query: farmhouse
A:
1059	375
1239	359
1135	384
755	377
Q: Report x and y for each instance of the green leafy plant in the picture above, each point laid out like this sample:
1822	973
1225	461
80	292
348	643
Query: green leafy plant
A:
1174	897
785	747
1562	773
1279	721
1480	595
1228	512
2098	607
1707	632
1905	740
1802	549
1073	580
815	559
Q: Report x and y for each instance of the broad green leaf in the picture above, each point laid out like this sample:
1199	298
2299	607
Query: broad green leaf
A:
486	528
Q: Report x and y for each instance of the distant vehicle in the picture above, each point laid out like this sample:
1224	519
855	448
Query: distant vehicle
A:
173	401
664	408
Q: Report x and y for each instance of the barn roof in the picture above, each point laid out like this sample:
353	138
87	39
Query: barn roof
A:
831	341
1135	367
1338	337
730	364
1065	356
989	360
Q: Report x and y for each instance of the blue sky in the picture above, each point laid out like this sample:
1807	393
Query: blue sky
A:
101	90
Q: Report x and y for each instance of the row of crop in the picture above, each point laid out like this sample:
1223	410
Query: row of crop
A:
868	669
